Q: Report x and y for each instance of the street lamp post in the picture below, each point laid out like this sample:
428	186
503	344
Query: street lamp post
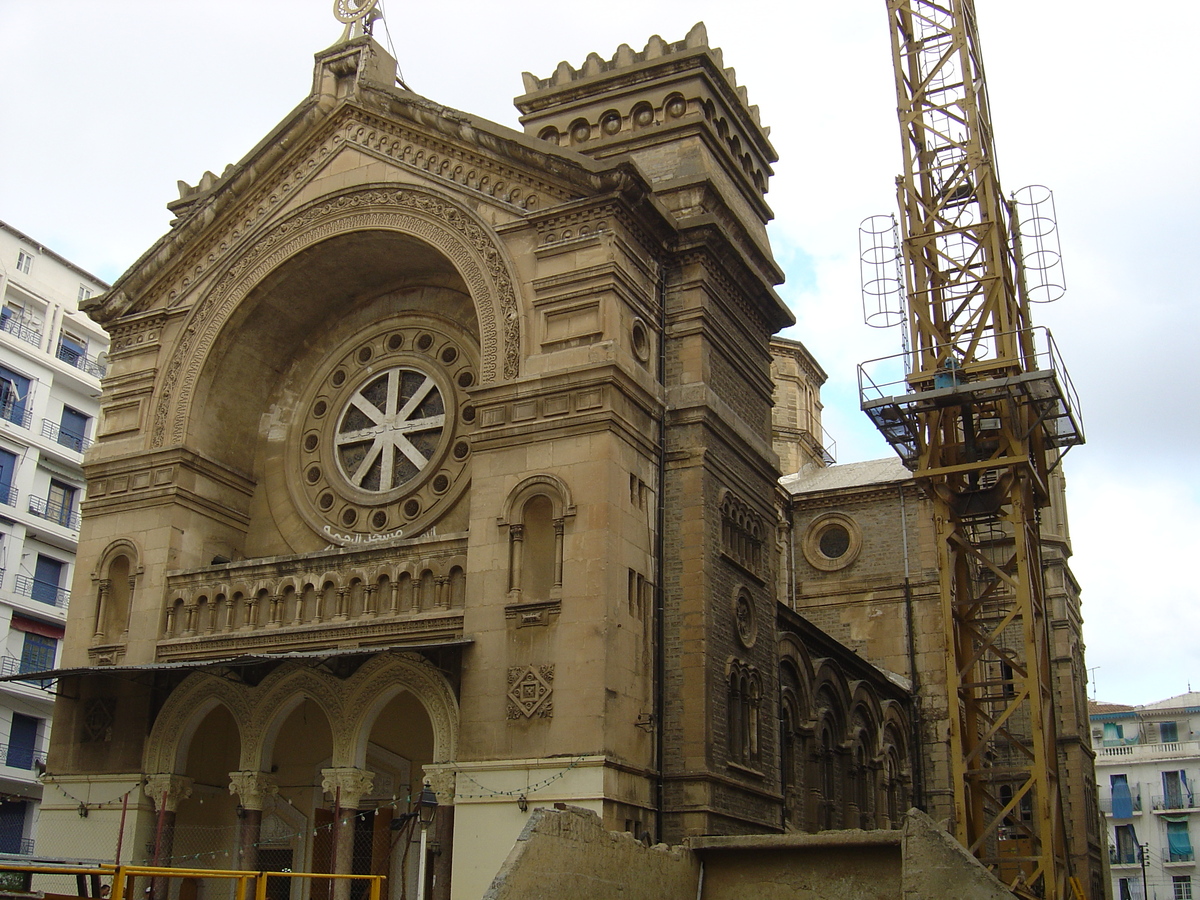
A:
426	810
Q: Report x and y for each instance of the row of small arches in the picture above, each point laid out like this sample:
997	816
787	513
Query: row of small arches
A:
298	603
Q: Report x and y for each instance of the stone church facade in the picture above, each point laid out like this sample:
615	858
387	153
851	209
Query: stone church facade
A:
435	451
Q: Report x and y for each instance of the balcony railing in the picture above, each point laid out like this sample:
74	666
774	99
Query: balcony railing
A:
73	357
1180	856
17	846
1136	752
1182	801
8	494
1122	857
29	332
53	431
21	756
42	591
1106	804
13	410
11	665
54	512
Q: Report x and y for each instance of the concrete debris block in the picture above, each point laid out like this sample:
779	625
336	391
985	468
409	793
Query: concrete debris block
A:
937	866
568	855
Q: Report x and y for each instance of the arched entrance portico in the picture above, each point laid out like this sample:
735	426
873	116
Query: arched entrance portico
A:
315	765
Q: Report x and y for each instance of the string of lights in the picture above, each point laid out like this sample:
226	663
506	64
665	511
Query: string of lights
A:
277	838
516	792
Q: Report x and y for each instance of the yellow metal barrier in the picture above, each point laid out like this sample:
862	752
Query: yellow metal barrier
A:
121	877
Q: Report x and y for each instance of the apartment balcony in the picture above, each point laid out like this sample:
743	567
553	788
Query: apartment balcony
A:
1123	857
1106	804
8	495
13	410
16	846
1134	753
29	332
52	431
72	357
1179	857
11	665
55	512
1183	803
42	591
22	756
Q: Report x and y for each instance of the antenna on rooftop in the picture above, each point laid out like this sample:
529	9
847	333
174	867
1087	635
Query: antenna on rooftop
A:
357	15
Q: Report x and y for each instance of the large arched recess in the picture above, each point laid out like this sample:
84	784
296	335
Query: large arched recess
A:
327	261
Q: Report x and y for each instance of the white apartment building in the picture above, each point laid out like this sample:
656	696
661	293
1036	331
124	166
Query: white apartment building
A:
1147	768
51	360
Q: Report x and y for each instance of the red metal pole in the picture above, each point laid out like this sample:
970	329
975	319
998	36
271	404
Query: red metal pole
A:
121	831
337	815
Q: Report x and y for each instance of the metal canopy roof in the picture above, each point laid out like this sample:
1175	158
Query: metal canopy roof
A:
228	662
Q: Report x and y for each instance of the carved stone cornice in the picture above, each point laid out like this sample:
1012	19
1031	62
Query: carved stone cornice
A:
137	333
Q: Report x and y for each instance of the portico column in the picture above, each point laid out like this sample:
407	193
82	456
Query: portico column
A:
252	790
165	791
348	785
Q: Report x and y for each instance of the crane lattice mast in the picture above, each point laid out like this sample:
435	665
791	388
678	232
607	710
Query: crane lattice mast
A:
982	412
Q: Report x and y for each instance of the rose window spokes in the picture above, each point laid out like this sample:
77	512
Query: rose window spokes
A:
390	429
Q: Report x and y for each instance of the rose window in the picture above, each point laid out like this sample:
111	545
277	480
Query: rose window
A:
390	429
382	449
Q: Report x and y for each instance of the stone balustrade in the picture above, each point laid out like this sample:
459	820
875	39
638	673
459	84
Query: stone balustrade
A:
412	593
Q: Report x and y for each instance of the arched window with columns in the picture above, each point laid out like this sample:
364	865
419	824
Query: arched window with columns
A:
115	578
535	515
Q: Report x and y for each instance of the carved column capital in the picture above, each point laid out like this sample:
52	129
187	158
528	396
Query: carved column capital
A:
252	788
169	788
353	782
443	781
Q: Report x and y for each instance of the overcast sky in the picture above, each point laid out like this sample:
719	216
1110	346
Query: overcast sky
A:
108	104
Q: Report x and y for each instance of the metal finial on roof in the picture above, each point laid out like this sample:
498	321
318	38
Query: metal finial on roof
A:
357	15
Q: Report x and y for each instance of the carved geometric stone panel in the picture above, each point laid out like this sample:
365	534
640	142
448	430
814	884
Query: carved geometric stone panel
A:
529	691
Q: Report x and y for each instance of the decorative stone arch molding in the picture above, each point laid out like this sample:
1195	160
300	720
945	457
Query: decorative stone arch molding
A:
864	706
350	707
550	486
429	216
175	726
383	678
276	698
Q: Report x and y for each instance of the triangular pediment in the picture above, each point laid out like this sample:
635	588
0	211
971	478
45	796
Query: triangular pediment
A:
380	133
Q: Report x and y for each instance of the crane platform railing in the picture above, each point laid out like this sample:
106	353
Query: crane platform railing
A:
894	398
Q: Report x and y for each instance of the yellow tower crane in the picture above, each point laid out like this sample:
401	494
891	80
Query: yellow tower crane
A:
981	410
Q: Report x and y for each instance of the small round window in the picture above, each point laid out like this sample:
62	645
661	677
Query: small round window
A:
832	541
